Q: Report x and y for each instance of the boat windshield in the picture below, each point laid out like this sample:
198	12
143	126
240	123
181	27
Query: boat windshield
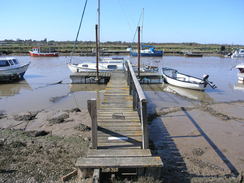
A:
15	61
112	66
4	63
11	62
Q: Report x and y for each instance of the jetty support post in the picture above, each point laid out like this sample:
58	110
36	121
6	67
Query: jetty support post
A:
92	108
139	50
97	51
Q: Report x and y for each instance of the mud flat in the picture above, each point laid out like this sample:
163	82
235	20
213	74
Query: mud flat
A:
200	143
42	146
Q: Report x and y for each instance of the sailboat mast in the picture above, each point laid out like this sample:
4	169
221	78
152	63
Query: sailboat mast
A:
142	25
98	38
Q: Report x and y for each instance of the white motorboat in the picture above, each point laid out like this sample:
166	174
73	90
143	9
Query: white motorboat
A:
175	78
11	69
240	75
238	54
106	64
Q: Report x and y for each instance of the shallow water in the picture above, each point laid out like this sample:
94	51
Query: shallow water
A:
40	89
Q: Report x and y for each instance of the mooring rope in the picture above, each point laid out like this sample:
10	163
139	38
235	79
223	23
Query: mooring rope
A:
77	35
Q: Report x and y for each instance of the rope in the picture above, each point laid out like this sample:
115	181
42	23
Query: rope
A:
141	16
77	35
126	16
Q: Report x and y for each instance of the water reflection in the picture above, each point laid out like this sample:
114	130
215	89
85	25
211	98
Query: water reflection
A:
191	94
239	86
12	89
86	87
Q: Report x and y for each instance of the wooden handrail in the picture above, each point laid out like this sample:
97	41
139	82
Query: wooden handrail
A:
136	82
139	102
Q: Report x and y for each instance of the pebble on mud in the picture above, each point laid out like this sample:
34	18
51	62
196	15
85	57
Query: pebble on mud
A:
17	144
74	110
2	142
197	152
2	115
58	118
27	116
82	127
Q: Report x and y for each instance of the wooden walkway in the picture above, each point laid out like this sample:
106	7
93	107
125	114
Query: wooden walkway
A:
118	124
119	127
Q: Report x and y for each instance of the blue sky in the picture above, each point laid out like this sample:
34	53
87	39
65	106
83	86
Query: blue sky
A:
202	21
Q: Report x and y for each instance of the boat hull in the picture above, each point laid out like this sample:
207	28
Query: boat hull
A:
155	54
13	73
43	54
76	68
184	81
193	55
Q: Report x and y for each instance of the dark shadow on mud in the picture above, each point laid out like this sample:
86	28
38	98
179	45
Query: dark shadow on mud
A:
174	169
221	155
162	144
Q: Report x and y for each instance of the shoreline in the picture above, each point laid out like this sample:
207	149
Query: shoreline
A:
119	54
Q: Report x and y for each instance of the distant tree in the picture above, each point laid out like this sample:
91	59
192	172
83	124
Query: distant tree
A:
222	48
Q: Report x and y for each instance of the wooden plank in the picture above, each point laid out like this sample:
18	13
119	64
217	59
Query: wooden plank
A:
120	129
118	145
124	121
128	124
119	162
121	133
118	153
121	139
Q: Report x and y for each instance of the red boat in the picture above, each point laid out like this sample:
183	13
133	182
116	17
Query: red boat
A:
36	52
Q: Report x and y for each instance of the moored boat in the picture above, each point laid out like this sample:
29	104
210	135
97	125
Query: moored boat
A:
36	52
238	54
106	64
190	54
11	69
147	51
175	78
240	75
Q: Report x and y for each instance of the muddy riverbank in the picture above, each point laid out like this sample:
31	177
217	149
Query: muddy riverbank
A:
199	135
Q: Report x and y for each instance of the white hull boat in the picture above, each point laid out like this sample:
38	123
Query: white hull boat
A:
238	54
11	69
107	64
240	75
175	78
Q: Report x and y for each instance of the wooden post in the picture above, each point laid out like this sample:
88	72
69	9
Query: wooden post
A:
92	108
139	51
145	141
97	51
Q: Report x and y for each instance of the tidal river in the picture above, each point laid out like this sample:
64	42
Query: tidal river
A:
47	84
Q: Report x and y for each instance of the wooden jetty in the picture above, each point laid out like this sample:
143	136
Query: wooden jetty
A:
90	77
119	128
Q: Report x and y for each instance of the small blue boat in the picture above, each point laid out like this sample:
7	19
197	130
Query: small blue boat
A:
147	51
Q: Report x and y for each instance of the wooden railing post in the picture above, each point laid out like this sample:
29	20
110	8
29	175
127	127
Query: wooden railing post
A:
145	144
92	108
134	97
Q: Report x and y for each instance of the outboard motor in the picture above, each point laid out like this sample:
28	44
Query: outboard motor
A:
205	79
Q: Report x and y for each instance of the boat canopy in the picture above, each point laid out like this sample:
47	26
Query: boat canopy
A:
147	46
